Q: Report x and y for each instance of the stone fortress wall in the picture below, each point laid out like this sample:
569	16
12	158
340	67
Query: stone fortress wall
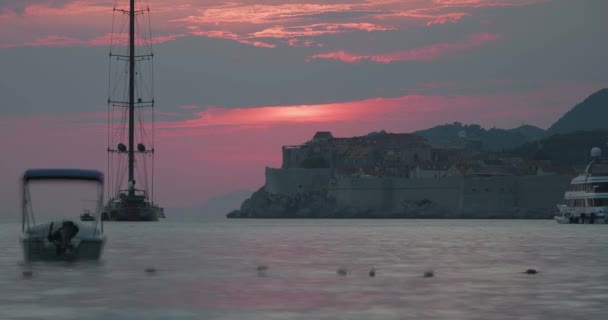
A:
401	175
483	196
290	182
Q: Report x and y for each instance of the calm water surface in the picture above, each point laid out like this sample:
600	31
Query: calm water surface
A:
206	269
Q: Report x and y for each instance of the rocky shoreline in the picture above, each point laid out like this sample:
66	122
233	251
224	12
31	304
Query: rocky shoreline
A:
320	205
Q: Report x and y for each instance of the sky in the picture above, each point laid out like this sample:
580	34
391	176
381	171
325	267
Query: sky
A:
236	80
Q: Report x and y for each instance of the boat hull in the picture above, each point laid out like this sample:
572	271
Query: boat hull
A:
135	214
38	249
592	215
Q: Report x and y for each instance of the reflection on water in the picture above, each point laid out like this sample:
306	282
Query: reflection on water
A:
210	270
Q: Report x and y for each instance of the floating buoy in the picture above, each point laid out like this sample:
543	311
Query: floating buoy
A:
531	271
429	274
27	274
342	271
372	272
262	268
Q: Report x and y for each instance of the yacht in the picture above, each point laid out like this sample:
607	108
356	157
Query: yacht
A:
586	202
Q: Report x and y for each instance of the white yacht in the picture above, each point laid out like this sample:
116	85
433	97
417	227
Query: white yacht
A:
59	233
586	202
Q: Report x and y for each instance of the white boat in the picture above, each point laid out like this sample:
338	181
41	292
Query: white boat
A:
62	237
586	202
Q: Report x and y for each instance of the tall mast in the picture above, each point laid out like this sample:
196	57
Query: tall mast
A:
131	96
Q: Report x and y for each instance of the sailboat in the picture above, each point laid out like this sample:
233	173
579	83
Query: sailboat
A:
130	186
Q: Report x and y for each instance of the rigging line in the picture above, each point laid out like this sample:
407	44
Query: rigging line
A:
115	73
123	125
118	174
142	130
118	130
152	185
143	172
108	168
112	32
151	78
119	75
123	174
145	156
152	145
150	39
153	125
143	134
145	168
141	175
115	166
110	176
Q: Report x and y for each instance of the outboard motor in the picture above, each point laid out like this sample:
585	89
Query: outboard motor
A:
63	236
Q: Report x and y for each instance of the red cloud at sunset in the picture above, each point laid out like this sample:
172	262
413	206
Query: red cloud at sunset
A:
316	30
428	53
404	113
81	22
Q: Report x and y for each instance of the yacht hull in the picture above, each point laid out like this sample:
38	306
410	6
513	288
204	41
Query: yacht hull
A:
569	215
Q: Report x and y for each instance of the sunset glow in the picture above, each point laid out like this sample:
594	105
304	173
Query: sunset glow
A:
234	81
429	53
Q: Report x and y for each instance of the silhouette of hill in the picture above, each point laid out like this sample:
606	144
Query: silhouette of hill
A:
216	207
570	148
591	114
531	133
457	134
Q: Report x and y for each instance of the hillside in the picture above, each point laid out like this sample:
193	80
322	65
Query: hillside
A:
217	206
492	139
571	148
531	133
591	114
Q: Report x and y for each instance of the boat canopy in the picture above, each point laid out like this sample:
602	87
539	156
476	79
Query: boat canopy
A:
62	174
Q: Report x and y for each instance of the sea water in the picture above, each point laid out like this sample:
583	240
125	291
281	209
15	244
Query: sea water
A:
189	268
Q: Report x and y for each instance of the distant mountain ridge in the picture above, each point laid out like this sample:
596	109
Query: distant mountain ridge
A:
217	206
591	114
571	148
494	139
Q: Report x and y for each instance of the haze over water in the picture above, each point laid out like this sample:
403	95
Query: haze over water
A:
207	269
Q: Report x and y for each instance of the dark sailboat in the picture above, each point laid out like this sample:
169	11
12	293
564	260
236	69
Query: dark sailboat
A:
131	103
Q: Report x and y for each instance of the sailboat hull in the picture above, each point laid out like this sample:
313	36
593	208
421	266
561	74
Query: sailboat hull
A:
124	214
131	208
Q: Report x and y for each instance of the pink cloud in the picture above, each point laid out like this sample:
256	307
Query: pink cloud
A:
82	22
231	36
447	18
428	53
316	30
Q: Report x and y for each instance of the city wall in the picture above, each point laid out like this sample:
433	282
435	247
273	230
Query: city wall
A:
452	197
292	181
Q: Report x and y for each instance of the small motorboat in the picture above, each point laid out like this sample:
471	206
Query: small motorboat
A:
87	216
61	237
